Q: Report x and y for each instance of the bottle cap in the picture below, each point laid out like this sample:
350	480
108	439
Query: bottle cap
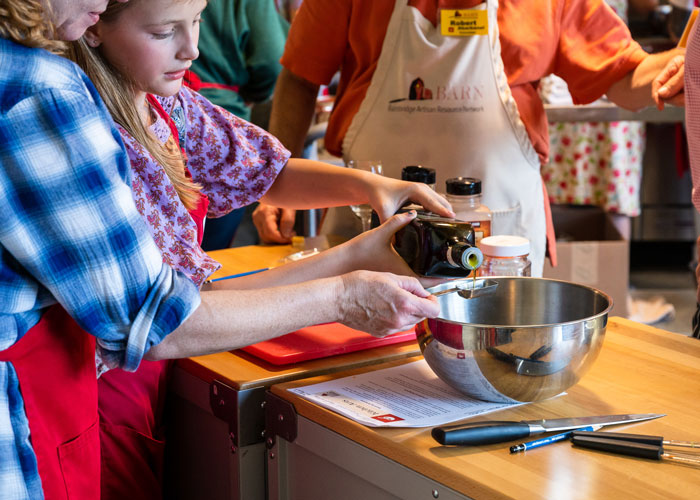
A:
461	186
505	246
417	173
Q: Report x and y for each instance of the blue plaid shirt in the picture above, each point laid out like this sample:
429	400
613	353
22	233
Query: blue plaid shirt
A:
70	233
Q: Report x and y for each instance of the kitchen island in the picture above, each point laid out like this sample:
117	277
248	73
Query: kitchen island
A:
221	446
640	370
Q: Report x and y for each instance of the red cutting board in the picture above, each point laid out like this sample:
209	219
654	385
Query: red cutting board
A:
321	341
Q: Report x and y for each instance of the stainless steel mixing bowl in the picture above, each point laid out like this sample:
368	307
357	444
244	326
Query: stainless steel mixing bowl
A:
531	339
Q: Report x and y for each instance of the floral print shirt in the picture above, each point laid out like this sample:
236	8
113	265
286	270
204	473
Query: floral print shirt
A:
234	161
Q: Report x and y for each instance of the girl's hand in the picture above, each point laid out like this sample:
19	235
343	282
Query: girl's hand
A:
373	250
668	86
387	195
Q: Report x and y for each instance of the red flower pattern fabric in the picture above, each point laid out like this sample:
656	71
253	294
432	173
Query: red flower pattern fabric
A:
596	164
234	161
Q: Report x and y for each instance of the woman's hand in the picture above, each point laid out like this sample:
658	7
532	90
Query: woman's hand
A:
667	87
387	195
382	303
377	303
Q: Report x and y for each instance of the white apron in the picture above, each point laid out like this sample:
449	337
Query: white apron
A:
444	102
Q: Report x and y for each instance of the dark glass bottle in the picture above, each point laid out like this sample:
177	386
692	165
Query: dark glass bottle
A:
438	247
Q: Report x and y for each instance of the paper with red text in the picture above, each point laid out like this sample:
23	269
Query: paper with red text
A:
408	395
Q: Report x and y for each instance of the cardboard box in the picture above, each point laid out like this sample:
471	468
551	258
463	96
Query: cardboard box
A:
591	251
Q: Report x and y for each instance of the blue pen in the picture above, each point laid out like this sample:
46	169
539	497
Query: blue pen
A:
237	275
550	439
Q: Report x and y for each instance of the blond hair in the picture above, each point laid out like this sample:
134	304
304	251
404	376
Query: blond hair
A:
116	90
28	22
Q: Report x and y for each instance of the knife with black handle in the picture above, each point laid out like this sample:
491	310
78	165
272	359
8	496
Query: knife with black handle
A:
476	433
499	431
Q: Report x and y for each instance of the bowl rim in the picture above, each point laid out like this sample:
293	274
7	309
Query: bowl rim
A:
539	325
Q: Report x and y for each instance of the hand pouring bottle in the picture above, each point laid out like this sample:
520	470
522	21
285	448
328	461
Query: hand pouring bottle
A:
438	247
411	173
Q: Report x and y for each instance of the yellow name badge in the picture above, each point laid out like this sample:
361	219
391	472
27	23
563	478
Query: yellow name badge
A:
464	22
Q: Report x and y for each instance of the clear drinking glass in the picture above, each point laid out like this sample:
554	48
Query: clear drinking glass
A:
364	211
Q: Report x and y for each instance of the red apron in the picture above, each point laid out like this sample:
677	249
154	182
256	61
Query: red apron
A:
55	365
193	81
131	408
131	434
198	213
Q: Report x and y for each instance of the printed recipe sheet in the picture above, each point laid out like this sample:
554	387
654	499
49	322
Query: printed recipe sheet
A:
409	395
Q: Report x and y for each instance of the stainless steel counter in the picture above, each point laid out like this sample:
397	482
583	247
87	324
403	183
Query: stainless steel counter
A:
608	112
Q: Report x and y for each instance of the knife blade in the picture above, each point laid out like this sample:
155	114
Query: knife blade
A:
499	431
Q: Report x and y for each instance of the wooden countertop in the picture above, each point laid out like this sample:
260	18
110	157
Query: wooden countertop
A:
242	259
243	371
640	370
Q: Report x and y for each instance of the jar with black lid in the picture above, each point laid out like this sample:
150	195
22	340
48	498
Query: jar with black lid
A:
419	173
464	194
412	173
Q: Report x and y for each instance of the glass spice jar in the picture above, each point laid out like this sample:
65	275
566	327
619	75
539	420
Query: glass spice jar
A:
505	256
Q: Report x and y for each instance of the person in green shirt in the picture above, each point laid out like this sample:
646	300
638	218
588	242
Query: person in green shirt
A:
240	45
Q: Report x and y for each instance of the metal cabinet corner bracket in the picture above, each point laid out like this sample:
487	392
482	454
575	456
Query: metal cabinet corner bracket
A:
224	405
280	419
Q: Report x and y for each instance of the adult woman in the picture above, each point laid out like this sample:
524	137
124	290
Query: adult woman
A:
73	251
73	242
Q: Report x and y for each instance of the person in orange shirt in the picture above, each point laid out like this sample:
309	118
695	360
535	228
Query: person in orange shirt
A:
482	62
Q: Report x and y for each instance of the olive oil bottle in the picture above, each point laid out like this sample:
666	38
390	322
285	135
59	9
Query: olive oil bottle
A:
438	247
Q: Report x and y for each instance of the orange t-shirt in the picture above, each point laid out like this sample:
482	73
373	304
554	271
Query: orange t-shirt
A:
582	41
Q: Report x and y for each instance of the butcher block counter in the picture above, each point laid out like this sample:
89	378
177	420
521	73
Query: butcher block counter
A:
318	454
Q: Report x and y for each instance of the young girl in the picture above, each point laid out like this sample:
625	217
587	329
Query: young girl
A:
191	159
